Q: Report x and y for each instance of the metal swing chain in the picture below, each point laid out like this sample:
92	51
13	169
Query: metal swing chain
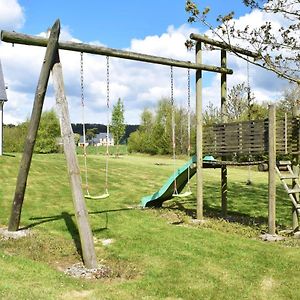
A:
83	122
107	125
173	128
189	121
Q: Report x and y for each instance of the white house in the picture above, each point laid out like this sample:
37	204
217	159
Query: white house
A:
99	140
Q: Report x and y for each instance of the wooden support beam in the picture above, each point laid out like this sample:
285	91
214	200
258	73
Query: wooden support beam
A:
295	213
1	127
224	190
52	47
272	170
223	119
199	133
223	86
81	213
18	38
223	45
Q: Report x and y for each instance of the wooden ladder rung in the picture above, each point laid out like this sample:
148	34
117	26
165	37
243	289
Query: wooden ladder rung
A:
291	176
284	163
294	190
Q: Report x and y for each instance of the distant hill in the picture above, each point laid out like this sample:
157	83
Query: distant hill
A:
77	128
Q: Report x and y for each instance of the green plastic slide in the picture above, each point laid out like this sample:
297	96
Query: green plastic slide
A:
167	190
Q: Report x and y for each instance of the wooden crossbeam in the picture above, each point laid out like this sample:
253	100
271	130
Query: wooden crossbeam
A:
24	39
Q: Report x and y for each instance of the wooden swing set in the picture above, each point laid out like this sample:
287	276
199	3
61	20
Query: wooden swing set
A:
52	63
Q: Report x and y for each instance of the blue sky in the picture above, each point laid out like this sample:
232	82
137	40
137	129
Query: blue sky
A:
115	23
157	27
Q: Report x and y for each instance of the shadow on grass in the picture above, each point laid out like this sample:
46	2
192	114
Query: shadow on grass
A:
8	155
247	205
71	225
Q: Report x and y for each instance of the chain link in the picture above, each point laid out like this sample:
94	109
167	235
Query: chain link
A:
175	192
107	82
189	88
189	109
83	124
81	79
107	125
172	85
189	124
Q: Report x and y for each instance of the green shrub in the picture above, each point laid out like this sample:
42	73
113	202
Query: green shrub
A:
49	131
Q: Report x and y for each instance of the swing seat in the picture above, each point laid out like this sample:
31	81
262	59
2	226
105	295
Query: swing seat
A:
103	196
183	195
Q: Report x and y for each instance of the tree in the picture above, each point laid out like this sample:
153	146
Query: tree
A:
90	134
146	131
238	104
14	137
277	48
118	123
211	115
154	135
76	138
290	102
49	131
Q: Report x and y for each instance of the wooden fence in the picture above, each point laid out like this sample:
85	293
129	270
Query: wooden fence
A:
250	137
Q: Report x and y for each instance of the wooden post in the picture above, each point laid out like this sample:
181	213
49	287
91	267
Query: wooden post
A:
3	98
295	214
199	133
52	47
224	190
223	86
272	171
1	127
85	232
223	119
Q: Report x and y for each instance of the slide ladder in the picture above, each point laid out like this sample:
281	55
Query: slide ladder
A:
285	172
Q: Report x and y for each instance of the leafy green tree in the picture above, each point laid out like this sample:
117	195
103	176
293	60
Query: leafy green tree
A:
211	115
237	106
162	129
259	111
291	101
14	137
154	135
118	123
76	138
146	130
90	134
49	131
136	142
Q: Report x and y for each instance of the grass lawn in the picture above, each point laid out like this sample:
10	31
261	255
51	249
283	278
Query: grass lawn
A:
154	254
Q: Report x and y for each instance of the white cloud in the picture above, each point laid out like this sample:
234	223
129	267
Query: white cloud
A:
11	15
138	84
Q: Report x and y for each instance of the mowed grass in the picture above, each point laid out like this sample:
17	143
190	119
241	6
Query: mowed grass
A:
154	254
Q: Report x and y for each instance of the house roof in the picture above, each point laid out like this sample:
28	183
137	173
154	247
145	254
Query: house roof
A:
3	96
102	135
